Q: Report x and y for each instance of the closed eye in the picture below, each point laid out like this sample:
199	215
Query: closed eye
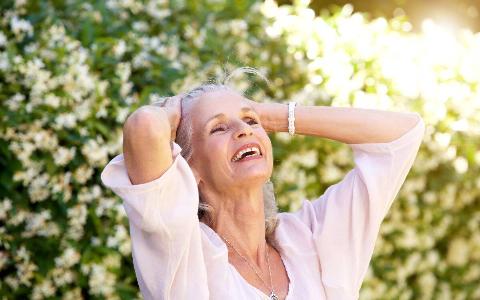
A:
223	127
218	128
252	121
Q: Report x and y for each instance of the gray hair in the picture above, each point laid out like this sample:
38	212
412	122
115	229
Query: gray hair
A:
184	140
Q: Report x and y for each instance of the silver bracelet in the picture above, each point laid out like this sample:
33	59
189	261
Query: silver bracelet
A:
291	117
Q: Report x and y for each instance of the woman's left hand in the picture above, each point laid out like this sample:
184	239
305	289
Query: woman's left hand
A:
273	116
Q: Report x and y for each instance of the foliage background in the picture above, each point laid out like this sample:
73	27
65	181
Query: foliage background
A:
71	72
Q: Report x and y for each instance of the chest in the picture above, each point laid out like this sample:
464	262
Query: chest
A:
271	279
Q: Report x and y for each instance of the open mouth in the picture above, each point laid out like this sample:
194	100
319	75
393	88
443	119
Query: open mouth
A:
247	152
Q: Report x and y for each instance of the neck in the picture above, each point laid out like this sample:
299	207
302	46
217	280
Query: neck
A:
239	218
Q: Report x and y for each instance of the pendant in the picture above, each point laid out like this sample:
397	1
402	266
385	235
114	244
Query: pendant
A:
273	296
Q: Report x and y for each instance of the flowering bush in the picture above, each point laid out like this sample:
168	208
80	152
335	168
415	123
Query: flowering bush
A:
429	243
71	72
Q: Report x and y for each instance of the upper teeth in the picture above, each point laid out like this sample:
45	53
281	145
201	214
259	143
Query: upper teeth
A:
240	153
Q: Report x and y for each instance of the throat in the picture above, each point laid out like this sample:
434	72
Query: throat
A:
246	234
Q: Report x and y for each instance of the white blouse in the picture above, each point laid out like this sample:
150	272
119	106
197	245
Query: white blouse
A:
326	246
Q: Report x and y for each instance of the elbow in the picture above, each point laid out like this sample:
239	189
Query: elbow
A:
418	120
417	117
147	122
412	120
408	122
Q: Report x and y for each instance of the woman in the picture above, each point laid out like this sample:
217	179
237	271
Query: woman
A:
210	149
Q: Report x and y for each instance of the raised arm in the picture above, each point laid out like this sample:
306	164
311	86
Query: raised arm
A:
160	197
147	134
346	219
344	124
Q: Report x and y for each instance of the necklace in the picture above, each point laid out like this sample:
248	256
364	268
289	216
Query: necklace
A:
272	296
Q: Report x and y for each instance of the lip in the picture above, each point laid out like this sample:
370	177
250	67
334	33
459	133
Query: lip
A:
249	145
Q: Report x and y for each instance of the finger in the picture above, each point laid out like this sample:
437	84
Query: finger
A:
174	100
161	102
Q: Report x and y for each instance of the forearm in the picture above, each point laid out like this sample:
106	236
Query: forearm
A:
344	124
146	147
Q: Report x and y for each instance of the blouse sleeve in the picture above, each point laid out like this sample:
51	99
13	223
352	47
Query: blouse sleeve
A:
164	229
346	219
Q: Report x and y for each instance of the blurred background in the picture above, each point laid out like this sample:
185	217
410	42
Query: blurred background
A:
71	72
454	14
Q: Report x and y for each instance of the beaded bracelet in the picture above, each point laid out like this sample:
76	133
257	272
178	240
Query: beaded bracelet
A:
291	117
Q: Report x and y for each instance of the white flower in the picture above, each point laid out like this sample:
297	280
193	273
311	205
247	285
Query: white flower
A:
269	8
427	281
460	164
12	281
125	89
125	247
68	258
62	276
443	139
74	232
120	48
154	97
20	3
101	281
18	218
83	173
123	71
44	139
121	234
38	224
64	155
73	294
38	189
141	60
140	26
122	114
458	252
4	62
52	100
102	112
430	197
3	259
105	205
20	26
66	120
14	102
238	27
77	215
112	261
26	271
154	9
95	153
473	274
43	290
409	238
308	159
331	173
96	241
5	206
3	39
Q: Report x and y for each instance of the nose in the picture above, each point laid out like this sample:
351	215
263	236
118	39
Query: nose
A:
243	130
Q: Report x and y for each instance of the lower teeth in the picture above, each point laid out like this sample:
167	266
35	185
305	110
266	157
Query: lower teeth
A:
246	157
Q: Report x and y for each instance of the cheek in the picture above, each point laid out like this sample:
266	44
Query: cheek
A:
268	148
214	149
265	140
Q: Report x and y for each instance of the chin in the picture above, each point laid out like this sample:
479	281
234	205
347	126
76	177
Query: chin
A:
254	178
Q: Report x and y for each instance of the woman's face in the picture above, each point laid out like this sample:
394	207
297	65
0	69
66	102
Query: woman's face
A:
230	146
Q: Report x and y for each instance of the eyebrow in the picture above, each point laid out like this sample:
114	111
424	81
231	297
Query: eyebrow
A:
222	115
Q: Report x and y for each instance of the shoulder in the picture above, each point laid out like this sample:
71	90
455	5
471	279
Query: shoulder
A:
115	175
295	229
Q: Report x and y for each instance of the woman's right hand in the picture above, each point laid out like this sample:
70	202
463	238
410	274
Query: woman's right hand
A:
173	107
147	142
